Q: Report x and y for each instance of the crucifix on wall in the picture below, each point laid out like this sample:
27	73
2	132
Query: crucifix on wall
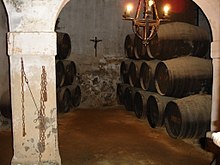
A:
96	41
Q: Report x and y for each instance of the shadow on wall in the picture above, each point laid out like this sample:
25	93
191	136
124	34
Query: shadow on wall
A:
5	106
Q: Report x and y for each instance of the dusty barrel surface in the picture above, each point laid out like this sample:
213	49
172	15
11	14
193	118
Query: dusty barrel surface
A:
60	73
75	91
65	72
188	117
63	99
129	46
63	45
178	39
133	73
124	68
140	50
140	103
129	98
147	72
183	76
120	92
155	109
70	71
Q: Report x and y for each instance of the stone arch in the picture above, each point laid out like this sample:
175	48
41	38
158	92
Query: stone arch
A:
210	8
212	12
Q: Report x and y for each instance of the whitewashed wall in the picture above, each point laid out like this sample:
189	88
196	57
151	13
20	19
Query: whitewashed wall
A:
84	20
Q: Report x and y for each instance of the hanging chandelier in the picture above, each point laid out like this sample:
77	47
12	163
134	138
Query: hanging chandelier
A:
146	26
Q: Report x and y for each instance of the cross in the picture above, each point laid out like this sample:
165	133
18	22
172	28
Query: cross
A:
95	45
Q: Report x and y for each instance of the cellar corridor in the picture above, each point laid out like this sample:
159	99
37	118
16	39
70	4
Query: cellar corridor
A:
114	136
76	73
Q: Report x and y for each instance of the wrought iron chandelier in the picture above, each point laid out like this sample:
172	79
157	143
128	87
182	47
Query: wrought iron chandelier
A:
146	26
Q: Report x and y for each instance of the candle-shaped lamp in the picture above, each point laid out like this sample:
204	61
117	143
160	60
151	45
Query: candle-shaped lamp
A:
129	8
166	10
150	4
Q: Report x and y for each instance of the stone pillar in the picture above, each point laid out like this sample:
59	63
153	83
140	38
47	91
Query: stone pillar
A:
215	116
32	50
34	56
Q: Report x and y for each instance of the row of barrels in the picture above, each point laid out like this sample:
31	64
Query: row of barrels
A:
173	39
169	80
176	77
68	97
66	72
187	117
68	89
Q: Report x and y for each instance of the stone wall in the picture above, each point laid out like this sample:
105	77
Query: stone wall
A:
98	83
84	20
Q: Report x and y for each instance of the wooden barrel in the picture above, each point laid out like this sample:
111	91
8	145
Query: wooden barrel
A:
60	73
70	71
76	96
188	117
63	100
183	76
178	39
63	45
145	75
129	98
124	68
140	50
133	73
147	72
120	92
129	46
65	72
140	103
155	109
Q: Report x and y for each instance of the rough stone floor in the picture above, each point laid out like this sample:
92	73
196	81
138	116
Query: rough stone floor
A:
113	136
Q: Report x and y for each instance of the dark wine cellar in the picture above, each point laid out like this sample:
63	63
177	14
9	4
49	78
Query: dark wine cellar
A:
127	83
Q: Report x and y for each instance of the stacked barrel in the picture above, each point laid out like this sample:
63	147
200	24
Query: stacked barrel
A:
68	89
168	82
